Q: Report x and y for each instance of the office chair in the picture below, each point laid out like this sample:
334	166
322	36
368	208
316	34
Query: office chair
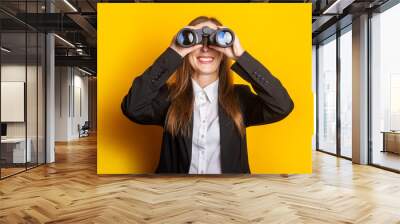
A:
84	130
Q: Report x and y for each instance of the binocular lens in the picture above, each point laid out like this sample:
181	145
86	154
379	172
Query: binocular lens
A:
186	38
224	38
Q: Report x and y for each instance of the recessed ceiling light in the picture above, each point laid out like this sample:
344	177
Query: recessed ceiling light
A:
5	50
70	5
84	71
338	6
64	40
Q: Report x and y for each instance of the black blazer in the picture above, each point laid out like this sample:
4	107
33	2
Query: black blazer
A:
147	103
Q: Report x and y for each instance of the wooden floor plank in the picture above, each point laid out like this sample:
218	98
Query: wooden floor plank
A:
70	191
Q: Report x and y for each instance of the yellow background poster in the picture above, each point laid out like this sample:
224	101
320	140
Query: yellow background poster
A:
132	36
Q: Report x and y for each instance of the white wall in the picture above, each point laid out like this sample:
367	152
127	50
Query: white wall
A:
80	84
12	73
33	126
13	101
71	94
16	72
61	103
314	90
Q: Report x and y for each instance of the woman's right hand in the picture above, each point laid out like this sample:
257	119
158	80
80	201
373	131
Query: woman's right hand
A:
183	51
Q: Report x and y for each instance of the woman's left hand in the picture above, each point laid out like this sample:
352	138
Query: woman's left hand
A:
233	52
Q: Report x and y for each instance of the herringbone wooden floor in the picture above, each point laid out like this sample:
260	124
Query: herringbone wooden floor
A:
70	191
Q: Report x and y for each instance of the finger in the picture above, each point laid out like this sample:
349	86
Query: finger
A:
237	38
193	48
197	46
236	44
220	49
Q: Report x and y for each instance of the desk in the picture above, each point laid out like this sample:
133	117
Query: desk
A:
16	151
391	141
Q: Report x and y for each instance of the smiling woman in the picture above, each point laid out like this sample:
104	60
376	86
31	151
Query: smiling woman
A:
189	91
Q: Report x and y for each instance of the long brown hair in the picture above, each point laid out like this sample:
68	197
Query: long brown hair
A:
181	93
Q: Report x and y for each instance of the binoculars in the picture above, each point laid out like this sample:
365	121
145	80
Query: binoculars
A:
221	37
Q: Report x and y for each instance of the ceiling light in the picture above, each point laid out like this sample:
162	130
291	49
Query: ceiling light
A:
84	71
5	50
64	40
70	5
338	6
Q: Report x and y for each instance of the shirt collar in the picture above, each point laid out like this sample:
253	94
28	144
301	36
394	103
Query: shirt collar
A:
211	90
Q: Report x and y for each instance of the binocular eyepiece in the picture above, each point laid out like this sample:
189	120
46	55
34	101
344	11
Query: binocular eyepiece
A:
221	37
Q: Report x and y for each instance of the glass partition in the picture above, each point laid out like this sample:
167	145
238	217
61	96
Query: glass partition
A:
22	88
327	95
14	153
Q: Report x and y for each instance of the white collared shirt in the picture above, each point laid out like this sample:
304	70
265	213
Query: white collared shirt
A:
206	137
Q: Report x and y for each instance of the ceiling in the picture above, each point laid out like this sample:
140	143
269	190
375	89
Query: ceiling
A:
76	22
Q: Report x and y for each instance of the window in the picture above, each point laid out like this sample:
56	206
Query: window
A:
385	88
327	95
346	93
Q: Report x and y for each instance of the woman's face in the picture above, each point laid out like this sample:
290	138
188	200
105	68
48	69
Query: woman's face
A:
205	60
